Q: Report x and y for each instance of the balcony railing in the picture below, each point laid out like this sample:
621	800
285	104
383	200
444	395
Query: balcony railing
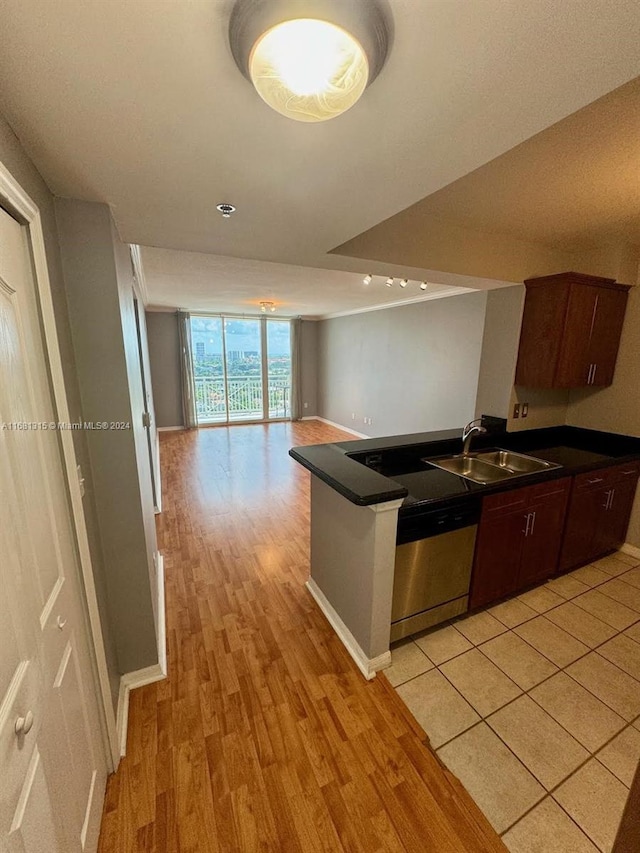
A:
244	398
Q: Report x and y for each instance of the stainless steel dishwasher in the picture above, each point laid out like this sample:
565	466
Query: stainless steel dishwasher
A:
434	556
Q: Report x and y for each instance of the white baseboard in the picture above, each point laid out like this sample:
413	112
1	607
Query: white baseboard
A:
161	614
168	429
367	666
132	680
336	425
631	550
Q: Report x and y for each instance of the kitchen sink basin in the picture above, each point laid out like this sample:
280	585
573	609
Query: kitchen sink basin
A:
516	462
472	468
491	466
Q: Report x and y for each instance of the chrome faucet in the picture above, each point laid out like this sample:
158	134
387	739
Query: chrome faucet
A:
468	432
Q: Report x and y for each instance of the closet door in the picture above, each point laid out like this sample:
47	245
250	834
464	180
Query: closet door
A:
51	749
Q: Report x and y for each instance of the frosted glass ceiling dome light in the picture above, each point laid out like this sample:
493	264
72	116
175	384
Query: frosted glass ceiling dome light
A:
309	60
309	70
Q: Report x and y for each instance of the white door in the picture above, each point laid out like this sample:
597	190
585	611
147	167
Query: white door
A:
149	409
52	755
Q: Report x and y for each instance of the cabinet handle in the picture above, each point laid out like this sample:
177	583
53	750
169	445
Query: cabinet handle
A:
593	375
595	480
589	375
527	519
605	505
626	473
533	521
613	491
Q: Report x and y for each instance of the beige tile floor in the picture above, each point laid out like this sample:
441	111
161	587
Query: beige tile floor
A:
534	704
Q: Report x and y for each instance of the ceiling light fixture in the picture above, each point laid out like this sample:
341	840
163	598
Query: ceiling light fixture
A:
310	60
226	209
390	281
267	306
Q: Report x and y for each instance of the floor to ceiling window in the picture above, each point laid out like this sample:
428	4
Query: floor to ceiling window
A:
242	368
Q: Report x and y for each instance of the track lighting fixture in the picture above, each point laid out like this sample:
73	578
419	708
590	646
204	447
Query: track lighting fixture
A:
390	281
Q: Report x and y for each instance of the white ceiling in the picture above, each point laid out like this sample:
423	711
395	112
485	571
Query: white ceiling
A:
205	282
138	103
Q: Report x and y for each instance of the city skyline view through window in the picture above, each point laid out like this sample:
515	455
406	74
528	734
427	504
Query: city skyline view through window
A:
242	368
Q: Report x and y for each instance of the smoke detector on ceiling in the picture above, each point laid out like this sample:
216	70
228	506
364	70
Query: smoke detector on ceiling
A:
226	210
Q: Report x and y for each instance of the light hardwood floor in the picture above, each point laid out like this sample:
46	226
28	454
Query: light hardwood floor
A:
265	736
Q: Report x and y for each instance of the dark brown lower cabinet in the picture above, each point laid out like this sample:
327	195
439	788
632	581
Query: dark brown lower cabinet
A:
598	514
519	540
542	543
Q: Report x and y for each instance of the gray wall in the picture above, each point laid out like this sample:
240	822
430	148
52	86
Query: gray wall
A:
309	367
499	350
164	356
343	534
409	369
98	281
15	159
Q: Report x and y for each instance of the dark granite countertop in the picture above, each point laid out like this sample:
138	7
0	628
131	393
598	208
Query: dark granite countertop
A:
374	470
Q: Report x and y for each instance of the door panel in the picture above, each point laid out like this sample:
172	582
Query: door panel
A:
243	359
583	519
278	341
497	558
207	343
573	364
69	706
34	829
605	336
41	606
542	543
615	516
149	409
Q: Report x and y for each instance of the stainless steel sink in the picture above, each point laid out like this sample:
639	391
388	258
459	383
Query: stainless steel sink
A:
472	468
516	462
491	466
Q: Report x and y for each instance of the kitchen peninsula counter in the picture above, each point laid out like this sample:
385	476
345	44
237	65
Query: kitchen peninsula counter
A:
361	489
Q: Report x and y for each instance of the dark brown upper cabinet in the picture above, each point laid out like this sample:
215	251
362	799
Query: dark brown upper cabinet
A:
570	331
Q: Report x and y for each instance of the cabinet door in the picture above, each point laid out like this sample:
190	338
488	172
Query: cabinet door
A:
545	310
573	369
583	520
499	547
605	334
543	531
615	515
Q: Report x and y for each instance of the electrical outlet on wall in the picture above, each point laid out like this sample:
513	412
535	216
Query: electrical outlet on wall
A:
516	410
353	416
305	405
525	410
